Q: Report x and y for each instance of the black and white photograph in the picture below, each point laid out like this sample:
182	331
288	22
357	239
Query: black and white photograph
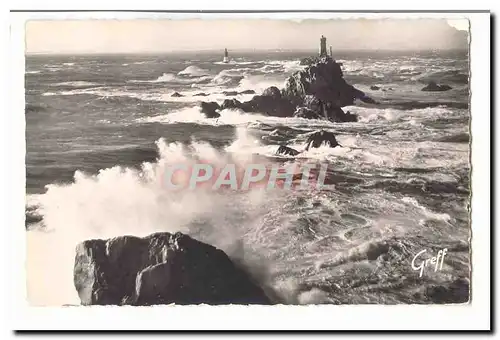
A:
231	160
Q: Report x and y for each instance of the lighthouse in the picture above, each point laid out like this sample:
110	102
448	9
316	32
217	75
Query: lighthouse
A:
322	48
226	56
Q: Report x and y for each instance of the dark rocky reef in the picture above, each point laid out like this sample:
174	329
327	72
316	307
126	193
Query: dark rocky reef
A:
230	104
309	61
320	88
209	109
230	93
314	140
321	137
161	268
201	94
269	102
176	94
304	112
247	92
434	87
285	150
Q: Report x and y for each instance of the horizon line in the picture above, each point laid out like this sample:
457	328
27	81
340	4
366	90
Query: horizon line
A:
465	49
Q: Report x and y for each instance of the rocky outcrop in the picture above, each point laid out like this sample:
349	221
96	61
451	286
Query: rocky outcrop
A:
314	140
320	89
209	109
309	61
434	87
247	92
320	138
231	104
304	112
201	94
230	93
374	87
285	150
161	268
176	94
324	80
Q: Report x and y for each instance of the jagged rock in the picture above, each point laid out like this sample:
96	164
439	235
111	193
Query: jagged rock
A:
201	94
327	110
209	109
176	94
270	105
230	104
433	86
319	88
309	61
247	92
321	137
323	79
374	87
230	93
161	268
285	150
273	92
304	112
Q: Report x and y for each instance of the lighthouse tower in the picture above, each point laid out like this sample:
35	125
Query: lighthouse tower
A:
322	48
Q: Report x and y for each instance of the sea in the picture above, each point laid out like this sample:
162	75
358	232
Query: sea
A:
100	130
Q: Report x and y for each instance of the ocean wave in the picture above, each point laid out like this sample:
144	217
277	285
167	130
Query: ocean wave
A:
172	78
48	94
76	83
447	76
193	71
194	115
237	62
228	77
120	200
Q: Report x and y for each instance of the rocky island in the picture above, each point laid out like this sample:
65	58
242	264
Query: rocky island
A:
317	92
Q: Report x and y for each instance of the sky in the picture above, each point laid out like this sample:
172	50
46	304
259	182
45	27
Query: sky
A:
164	35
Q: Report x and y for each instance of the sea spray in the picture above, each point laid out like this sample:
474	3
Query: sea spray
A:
124	201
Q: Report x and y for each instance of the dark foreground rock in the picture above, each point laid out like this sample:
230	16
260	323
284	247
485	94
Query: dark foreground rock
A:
161	268
434	87
321	137
176	94
209	109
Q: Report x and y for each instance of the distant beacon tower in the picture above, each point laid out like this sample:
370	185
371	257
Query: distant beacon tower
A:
322	50
331	52
226	56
